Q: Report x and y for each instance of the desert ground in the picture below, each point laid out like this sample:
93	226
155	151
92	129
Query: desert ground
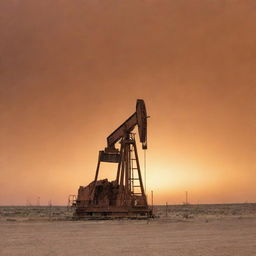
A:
177	230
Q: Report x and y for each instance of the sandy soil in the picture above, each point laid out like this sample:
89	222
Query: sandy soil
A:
201	236
180	230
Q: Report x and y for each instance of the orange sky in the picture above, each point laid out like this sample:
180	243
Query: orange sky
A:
71	71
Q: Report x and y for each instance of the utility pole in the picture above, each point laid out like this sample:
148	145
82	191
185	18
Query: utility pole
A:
50	209
38	201
152	199
186	197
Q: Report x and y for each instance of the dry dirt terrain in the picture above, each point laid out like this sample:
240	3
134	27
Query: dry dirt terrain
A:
181	230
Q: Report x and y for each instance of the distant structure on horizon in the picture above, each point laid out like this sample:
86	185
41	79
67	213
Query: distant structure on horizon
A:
38	201
186	199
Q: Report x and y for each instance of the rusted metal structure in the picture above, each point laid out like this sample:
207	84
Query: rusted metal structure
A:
124	196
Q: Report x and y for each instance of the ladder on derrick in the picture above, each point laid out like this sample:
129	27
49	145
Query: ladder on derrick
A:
133	179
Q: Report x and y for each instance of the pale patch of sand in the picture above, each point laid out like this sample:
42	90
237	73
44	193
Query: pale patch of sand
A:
205	235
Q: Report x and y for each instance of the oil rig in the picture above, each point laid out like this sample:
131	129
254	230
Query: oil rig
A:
123	197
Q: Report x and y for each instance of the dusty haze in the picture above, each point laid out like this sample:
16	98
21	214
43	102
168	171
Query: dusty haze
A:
71	71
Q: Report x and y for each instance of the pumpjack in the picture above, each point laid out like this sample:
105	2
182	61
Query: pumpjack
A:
123	197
